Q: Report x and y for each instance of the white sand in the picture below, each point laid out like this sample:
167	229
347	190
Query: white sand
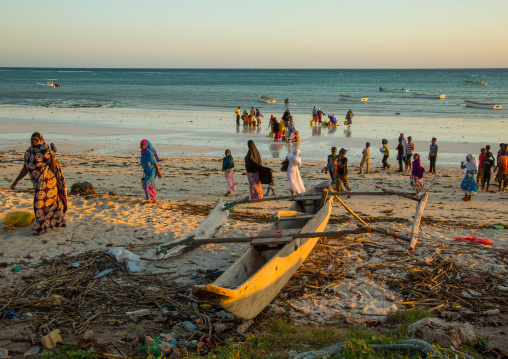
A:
187	191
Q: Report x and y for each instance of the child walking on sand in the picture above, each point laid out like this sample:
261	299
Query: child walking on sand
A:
433	155
487	163
386	153
341	171
227	167
410	147
365	158
271	185
416	180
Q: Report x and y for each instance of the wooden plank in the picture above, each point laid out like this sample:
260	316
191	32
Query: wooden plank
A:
272	240
386	232
293	218
418	217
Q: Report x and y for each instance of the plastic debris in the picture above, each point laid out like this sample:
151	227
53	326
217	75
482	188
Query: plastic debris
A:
4	354
491	312
133	261
103	273
475	239
32	351
10	314
16	269
50	340
498	227
190	325
135	315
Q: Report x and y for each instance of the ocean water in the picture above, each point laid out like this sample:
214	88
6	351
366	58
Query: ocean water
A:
224	90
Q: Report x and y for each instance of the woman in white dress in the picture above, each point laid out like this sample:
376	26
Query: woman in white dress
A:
294	178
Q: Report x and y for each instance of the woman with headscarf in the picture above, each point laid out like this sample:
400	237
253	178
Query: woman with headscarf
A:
291	130
469	184
293	173
149	160
50	200
252	166
227	167
416	180
277	135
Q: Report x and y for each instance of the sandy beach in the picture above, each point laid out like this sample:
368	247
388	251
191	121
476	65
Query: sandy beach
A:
360	285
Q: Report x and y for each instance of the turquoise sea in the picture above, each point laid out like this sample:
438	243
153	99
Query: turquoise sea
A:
225	89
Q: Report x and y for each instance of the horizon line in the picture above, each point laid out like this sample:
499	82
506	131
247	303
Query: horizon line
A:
253	68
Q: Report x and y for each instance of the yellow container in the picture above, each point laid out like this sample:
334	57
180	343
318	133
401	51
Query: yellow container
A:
324	123
271	134
311	122
19	219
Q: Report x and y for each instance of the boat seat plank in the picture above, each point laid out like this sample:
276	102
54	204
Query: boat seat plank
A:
270	240
293	218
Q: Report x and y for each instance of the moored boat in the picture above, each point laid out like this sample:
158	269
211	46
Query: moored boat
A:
353	98
432	96
49	83
490	106
475	82
267	99
253	281
384	89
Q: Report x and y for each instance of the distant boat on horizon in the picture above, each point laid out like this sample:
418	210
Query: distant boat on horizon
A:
267	99
49	83
475	82
353	98
384	89
431	96
489	106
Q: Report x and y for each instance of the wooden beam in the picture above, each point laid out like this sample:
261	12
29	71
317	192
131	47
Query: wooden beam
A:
386	232
418	217
266	238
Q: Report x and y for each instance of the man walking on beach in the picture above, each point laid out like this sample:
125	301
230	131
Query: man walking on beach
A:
238	115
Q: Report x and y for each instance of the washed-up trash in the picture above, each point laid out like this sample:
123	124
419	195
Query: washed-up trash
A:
195	277
32	351
135	315
492	312
75	265
190	325
10	314
474	239
103	273
206	342
134	262
50	340
16	269
4	354
499	227
214	273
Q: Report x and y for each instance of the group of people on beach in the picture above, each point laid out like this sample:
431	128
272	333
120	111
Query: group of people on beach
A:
51	198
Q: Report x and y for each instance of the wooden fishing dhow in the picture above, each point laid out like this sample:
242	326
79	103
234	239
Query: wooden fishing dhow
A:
430	96
353	98
251	283
489	106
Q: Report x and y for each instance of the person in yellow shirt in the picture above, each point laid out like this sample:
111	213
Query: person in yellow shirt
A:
238	115
386	153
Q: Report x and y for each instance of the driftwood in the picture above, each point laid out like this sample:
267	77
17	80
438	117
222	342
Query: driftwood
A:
418	217
385	232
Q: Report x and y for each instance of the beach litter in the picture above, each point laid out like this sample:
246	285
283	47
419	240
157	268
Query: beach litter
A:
475	240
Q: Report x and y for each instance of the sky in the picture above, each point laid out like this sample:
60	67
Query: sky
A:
254	34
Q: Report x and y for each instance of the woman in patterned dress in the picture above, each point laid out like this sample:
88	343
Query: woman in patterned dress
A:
149	161
469	184
50	200
252	166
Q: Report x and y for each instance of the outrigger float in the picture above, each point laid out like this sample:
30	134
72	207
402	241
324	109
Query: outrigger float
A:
276	252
